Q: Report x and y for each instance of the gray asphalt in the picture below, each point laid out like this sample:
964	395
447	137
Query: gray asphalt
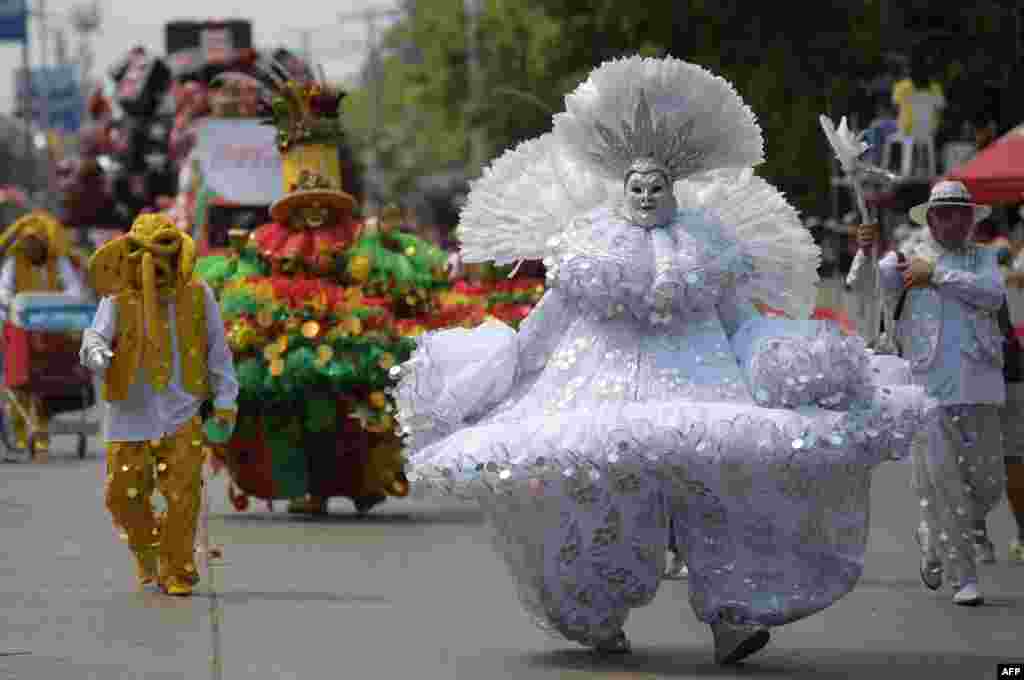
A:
415	591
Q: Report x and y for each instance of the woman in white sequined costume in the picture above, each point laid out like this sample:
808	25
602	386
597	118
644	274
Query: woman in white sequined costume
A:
644	386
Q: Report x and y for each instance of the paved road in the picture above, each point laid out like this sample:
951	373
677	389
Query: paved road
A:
414	591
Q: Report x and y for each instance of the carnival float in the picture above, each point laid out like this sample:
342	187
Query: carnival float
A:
319	303
319	307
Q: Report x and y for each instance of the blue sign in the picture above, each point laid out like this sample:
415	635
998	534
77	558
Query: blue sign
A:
13	20
63	93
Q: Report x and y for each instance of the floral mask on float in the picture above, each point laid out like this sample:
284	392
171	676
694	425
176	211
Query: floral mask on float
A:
312	216
312	213
650	202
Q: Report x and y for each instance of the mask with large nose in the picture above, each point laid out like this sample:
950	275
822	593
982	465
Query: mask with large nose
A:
649	199
153	259
35	249
155	251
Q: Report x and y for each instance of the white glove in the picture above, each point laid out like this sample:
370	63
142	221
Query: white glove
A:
98	359
454	266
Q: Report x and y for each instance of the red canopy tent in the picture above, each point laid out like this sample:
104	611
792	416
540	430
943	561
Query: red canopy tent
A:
996	174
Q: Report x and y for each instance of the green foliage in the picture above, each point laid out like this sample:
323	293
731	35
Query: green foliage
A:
414	120
790	68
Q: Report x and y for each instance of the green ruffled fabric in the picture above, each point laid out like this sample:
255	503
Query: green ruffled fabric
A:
304	396
355	364
413	271
218	270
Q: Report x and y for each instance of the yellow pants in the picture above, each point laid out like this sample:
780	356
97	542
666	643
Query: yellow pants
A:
174	466
31	405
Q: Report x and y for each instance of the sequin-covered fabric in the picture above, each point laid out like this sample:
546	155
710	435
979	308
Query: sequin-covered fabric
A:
644	387
959	477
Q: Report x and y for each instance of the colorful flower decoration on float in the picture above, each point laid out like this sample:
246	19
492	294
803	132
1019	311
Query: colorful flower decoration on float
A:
305	112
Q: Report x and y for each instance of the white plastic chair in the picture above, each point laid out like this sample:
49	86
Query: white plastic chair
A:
918	156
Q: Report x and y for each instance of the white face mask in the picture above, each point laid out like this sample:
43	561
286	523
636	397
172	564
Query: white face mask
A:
649	199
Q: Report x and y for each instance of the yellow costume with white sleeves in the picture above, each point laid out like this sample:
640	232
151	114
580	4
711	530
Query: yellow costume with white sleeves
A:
158	341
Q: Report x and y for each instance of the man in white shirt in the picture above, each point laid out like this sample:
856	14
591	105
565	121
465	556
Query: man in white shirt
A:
158	343
950	335
36	261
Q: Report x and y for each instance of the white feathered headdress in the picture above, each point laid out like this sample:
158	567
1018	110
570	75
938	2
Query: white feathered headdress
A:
661	112
758	217
677	116
524	198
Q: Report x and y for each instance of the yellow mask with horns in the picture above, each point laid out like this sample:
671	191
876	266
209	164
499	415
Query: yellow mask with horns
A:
156	260
155	257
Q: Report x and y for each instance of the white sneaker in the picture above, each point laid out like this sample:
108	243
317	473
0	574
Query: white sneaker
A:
968	596
985	552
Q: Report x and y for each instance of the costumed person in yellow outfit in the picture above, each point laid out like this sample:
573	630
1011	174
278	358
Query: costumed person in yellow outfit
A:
918	90
37	260
158	342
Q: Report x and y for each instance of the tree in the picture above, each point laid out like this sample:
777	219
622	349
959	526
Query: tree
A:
789	69
416	124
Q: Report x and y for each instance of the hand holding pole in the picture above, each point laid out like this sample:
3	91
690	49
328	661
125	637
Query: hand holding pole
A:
848	148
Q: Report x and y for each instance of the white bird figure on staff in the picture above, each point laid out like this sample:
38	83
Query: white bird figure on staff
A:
848	148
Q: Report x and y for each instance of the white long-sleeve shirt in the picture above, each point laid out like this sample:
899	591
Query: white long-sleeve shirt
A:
865	305
147	414
964	281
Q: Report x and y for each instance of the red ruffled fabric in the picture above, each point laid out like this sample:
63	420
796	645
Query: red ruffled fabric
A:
299	246
316	248
382	302
296	291
270	237
509	312
465	288
455	315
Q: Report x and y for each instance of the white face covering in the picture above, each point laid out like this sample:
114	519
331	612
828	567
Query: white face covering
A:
649	199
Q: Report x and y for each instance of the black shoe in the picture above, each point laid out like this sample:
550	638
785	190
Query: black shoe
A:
366	503
617	645
931	574
733	642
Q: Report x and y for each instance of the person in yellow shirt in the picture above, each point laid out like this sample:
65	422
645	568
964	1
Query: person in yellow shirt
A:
37	260
906	94
918	98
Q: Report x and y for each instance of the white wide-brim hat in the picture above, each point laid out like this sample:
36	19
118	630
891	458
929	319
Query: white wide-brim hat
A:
948	192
